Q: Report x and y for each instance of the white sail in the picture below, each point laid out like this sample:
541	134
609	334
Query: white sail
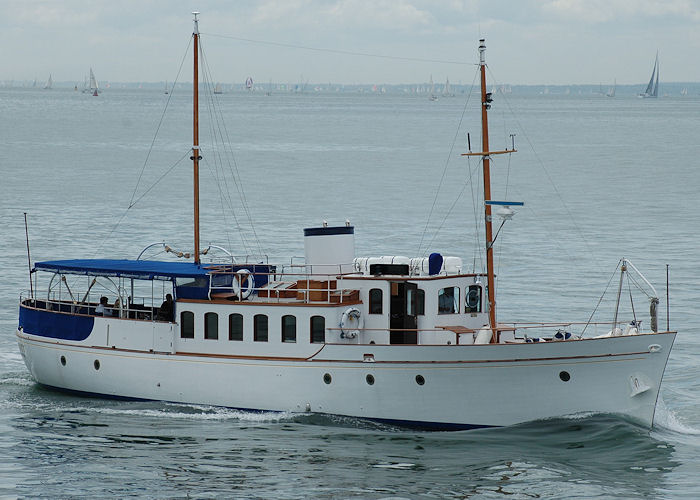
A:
49	83
93	81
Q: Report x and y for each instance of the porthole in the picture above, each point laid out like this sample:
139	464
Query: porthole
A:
97	364
327	378
420	380
564	376
63	360
370	379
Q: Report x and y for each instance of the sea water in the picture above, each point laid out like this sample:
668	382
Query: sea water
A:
601	179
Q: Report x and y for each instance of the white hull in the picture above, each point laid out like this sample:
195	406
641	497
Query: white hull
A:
465	385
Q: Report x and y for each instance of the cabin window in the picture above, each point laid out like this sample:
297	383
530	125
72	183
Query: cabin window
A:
448	300
375	301
187	325
318	329
260	328
211	326
472	301
235	326
289	328
420	302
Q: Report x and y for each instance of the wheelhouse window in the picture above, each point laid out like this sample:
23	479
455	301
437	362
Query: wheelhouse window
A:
472	301
375	301
260	328
289	328
211	326
420	302
187	325
318	329
235	326
448	300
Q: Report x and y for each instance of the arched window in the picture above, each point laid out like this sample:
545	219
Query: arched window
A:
375	301
289	328
260	328
235	326
318	329
187	325
211	326
448	300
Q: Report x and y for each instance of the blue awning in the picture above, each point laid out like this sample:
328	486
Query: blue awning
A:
140	269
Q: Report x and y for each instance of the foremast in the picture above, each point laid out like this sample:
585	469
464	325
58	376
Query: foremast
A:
195	136
485	154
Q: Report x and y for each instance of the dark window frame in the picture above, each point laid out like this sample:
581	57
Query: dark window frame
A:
211	326
321	332
260	334
285	337
186	325
376	306
231	317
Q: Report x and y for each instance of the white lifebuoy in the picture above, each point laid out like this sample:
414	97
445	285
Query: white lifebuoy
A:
243	283
351	322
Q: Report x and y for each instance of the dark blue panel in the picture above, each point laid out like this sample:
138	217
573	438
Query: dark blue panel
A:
326	231
141	269
54	324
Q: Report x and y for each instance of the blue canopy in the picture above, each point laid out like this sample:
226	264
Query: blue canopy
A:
140	269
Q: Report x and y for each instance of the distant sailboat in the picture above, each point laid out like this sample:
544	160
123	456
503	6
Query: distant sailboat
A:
49	83
249	84
217	89
447	92
684	91
611	90
166	88
93	84
652	89
432	95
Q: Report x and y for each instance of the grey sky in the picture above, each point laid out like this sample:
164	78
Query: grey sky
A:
529	41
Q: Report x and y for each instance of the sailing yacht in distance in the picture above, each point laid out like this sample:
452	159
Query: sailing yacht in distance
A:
611	90
49	83
652	89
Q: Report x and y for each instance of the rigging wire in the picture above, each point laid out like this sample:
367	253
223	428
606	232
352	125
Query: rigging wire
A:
551	181
601	298
216	155
444	172
160	122
233	167
148	155
337	51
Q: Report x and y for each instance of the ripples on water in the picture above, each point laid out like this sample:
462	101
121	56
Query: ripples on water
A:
376	161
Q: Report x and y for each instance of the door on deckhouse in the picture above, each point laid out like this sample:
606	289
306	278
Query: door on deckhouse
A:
403	322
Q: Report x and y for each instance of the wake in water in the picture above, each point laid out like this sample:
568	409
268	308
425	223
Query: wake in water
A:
667	420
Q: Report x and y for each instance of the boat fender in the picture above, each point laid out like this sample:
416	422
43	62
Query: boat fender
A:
351	322
243	283
484	336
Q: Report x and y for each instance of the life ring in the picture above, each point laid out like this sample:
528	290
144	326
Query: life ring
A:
473	298
351	322
243	283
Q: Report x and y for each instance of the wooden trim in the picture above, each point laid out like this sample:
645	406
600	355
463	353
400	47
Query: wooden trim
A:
597	357
409	278
256	303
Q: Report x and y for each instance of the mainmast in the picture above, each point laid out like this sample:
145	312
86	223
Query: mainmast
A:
488	202
195	139
486	163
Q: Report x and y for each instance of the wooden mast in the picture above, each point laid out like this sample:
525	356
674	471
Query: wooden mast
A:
195	140
485	105
486	163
